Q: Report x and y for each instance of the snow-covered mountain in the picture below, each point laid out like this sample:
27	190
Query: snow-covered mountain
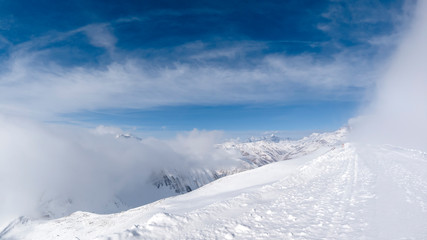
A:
338	191
252	154
170	181
264	151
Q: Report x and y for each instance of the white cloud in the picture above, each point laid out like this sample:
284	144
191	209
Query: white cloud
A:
90	168
100	35
355	21
33	84
398	113
136	83
108	130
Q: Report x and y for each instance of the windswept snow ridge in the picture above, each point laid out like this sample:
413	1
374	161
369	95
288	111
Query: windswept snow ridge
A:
344	191
260	152
252	154
190	168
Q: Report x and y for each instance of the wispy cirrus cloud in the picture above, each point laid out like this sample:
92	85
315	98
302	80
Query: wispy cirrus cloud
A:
91	67
29	84
99	35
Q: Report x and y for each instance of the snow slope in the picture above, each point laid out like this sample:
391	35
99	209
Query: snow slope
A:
248	155
349	192
251	154
185	168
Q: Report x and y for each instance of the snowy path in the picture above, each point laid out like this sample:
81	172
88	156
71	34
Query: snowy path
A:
324	200
346	193
400	209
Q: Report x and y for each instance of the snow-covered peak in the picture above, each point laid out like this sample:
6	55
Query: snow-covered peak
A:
272	138
265	151
128	136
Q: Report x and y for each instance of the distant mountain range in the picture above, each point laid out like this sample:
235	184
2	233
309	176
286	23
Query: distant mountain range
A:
168	182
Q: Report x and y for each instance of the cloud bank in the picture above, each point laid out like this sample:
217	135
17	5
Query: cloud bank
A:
88	169
398	113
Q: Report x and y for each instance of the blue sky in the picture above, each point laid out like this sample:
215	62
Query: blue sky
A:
178	65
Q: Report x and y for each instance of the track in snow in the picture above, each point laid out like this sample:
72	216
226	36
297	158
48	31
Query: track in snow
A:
351	192
324	200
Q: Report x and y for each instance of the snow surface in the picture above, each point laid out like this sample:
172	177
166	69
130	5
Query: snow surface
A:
248	155
193	161
349	191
